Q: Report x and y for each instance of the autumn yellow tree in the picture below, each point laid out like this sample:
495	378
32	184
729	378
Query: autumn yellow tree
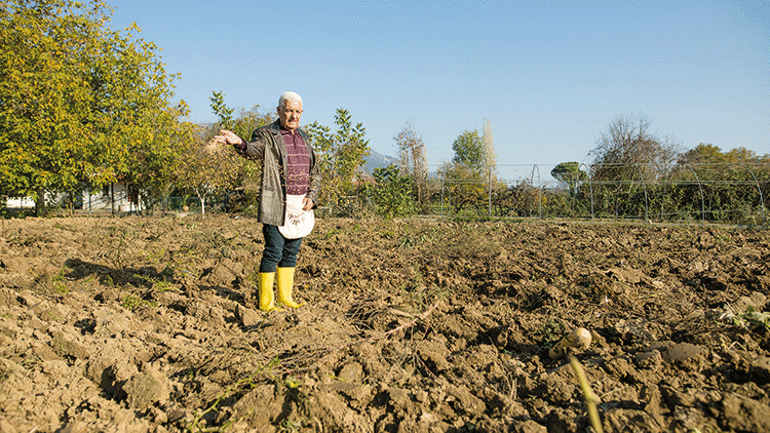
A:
78	100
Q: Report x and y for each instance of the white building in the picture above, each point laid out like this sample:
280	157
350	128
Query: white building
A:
126	200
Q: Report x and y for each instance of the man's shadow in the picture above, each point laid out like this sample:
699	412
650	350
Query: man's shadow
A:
149	278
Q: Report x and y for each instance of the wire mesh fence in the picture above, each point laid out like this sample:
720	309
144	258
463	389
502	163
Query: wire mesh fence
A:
728	193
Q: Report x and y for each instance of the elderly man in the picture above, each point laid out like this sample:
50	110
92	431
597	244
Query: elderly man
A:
290	184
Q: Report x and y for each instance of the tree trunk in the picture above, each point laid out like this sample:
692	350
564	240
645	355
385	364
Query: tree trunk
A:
40	203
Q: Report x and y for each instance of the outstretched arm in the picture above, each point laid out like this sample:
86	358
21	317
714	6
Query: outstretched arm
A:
228	137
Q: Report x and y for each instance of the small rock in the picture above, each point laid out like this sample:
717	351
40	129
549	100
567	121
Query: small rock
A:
8	297
760	369
648	358
671	351
530	426
351	373
66	345
744	414
682	352
246	316
145	389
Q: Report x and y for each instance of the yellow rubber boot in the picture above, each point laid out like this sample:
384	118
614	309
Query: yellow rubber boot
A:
285	284
266	298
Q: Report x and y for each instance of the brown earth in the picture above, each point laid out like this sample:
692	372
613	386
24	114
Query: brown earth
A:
150	325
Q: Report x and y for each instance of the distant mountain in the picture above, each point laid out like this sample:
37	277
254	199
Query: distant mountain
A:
378	160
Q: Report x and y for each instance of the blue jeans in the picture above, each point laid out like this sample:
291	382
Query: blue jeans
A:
279	251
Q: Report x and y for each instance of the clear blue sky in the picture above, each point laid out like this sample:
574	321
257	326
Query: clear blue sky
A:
549	76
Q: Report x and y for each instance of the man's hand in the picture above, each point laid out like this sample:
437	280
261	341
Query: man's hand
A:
307	204
228	137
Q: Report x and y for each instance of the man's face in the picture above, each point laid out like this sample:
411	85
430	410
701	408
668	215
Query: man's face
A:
290	114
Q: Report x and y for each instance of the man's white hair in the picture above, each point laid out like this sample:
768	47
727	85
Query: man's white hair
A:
288	96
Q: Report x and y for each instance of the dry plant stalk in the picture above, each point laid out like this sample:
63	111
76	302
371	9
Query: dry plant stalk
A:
591	399
406	325
214	146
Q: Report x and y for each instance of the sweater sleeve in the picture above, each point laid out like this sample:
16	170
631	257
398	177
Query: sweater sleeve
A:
254	149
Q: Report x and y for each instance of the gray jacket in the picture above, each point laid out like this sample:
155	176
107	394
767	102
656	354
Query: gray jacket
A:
267	146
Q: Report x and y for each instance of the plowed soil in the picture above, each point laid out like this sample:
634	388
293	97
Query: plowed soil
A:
149	324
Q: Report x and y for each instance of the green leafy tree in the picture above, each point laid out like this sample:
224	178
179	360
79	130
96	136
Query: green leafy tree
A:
464	175
712	164
244	123
153	163
242	177
745	156
735	179
469	150
392	192
702	154
570	174
222	111
44	142
340	155
138	126
77	99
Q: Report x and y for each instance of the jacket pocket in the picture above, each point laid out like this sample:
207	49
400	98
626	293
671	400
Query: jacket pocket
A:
271	183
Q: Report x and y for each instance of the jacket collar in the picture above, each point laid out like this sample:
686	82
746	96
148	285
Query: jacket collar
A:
275	128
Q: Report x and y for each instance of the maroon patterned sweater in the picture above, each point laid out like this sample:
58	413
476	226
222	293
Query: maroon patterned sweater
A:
298	157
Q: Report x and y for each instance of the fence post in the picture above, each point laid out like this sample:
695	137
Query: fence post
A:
702	201
644	187
590	186
539	191
441	209
489	180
